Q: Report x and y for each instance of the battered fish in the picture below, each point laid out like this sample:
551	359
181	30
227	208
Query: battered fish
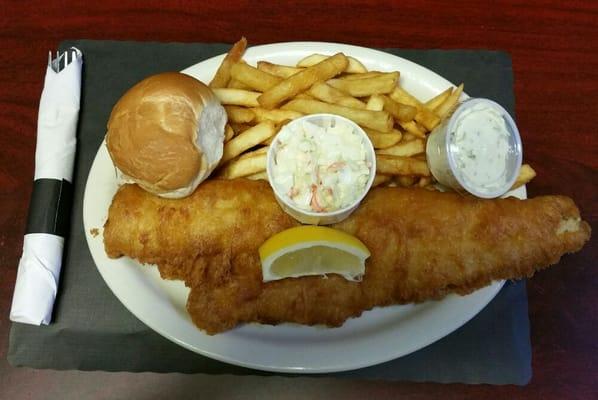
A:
423	246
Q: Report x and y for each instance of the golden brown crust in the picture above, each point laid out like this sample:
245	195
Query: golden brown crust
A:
423	246
153	128
210	223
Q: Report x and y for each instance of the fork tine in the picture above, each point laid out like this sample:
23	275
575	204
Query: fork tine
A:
62	59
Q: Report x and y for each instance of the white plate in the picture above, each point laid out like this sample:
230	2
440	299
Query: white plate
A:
377	336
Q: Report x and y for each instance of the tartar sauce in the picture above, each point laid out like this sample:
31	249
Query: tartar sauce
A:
479	144
321	168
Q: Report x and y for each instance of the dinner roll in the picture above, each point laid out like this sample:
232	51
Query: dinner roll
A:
166	134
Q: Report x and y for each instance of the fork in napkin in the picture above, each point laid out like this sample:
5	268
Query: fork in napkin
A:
49	209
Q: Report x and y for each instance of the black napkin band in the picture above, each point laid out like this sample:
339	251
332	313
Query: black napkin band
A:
50	207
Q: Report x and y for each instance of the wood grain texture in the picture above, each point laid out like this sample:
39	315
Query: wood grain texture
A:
554	48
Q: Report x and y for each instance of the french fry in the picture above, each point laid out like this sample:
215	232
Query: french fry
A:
282	123
353	66
244	166
405	181
446	107
424	181
263	175
375	103
269	141
420	127
401	112
235	84
412	128
301	81
238	128
304	96
276	115
239	115
247	139
393	165
400	95
405	149
229	133
371	74
526	174
324	92
382	140
237	97
222	75
380	179
424	116
278	127
407	136
253	77
367	86
438	99
427	118
378	120
282	71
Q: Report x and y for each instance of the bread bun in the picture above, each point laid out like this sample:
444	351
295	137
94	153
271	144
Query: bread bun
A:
166	134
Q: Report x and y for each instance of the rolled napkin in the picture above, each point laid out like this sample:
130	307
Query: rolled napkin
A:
49	209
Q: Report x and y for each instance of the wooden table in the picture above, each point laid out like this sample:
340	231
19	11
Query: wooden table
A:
554	48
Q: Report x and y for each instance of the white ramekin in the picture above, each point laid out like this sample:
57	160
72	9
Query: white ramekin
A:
312	217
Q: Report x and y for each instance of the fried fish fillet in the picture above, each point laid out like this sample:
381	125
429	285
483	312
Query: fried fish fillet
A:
423	246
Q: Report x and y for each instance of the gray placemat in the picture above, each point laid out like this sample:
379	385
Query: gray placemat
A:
92	330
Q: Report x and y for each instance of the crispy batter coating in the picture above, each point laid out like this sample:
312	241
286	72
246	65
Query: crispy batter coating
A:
424	245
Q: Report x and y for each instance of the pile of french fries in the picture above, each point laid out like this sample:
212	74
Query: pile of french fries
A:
260	100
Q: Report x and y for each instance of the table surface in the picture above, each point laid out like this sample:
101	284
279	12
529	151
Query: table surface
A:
554	48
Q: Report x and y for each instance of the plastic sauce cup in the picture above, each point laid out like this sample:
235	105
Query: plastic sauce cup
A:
442	152
313	217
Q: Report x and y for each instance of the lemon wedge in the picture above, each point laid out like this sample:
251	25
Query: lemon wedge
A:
312	250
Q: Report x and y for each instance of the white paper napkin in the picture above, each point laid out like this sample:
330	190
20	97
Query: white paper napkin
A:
39	267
